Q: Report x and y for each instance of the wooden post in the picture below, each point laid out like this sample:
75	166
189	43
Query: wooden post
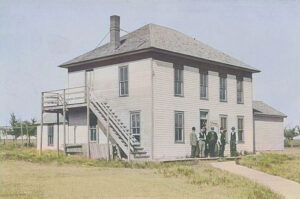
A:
57	122
128	143
27	133
22	134
42	111
107	136
88	120
64	123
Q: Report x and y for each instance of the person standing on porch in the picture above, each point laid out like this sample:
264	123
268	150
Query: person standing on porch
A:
222	142
193	142
212	138
202	140
233	151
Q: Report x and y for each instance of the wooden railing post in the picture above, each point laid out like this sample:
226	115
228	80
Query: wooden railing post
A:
42	119
64	121
107	136
88	120
128	143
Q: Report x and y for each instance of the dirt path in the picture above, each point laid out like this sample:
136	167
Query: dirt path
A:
289	189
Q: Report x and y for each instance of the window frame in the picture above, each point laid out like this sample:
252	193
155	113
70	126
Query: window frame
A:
123	80
50	138
205	75
223	77
242	129
180	70
137	126
239	91
222	116
179	127
207	117
93	130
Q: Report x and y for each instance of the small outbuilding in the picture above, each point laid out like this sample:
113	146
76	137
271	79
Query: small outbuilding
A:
268	127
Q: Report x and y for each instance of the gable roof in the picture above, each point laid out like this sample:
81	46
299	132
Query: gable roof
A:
260	108
160	37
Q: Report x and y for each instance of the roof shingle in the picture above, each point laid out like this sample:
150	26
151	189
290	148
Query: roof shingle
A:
160	37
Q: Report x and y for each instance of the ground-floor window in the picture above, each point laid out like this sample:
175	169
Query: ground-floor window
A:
179	123
93	134
203	118
240	129
50	135
223	125
135	125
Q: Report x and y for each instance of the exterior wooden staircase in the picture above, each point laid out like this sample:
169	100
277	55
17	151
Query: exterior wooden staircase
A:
118	131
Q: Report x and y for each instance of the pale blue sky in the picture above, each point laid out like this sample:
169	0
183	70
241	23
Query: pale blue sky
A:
37	36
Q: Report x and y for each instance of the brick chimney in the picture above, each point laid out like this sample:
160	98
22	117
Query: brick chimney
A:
115	30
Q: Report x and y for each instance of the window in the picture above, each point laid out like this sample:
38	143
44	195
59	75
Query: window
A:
178	81
240	94
50	135
203	85
135	125
240	129
93	134
223	89
203	119
123	81
179	127
223	125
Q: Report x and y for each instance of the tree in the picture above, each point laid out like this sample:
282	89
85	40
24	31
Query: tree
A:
30	128
290	133
15	126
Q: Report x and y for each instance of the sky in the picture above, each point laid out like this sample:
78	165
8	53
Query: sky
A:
38	35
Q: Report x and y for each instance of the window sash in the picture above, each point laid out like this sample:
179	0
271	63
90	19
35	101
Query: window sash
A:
240	92
93	134
203	85
178	82
50	135
241	129
224	126
223	89
179	122
123	81
135	125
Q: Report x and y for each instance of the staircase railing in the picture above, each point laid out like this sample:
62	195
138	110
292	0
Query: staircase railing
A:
114	122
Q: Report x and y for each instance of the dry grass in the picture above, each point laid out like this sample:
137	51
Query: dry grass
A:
26	175
284	163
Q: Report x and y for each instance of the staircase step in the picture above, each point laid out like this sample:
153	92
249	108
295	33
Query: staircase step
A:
142	156
138	148
139	152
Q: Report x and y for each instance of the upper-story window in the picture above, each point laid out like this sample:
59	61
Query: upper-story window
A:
123	81
223	89
203	85
178	80
240	92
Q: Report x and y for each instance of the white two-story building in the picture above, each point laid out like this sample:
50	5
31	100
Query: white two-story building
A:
147	89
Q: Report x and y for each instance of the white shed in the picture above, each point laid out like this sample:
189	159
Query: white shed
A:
268	126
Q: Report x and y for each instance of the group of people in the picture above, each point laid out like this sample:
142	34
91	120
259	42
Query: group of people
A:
210	144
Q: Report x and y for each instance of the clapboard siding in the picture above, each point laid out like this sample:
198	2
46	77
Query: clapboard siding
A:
165	103
269	133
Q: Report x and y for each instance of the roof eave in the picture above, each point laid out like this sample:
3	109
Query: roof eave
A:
153	49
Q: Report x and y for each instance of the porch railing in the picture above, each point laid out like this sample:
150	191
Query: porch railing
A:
69	96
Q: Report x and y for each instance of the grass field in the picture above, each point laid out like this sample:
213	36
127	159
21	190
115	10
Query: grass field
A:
26	175
284	163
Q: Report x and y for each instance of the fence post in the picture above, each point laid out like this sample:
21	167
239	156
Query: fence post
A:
27	136
22	134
